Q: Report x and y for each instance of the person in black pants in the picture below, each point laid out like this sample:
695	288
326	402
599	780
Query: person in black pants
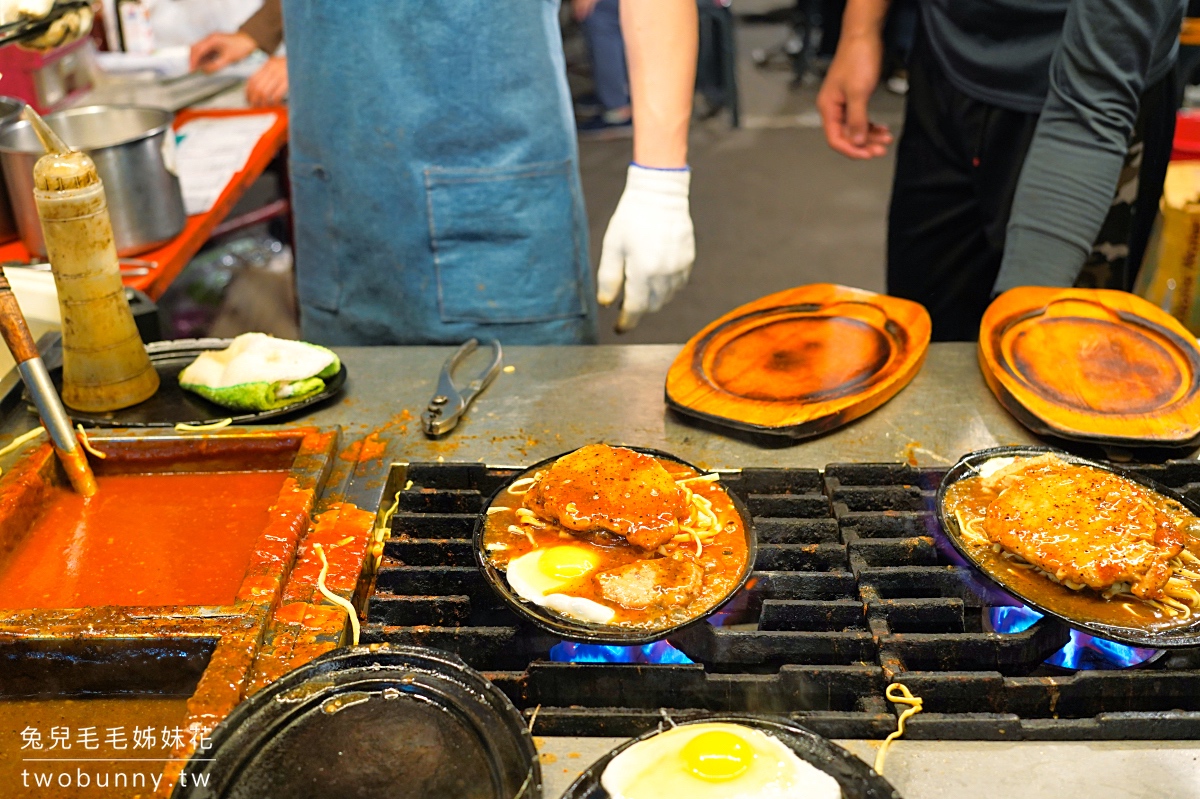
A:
1025	118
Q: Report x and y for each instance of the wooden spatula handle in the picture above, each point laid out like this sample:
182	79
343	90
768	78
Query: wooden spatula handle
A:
12	324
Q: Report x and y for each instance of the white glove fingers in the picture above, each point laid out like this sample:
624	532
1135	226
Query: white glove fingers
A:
678	281
635	304
649	246
628	321
611	273
658	290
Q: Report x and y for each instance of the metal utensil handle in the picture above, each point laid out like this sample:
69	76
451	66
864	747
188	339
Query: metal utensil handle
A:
476	386
45	399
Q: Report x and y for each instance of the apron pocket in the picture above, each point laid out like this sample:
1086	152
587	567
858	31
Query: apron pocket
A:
505	243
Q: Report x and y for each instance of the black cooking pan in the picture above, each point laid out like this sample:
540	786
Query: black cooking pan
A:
1174	637
588	632
856	779
379	721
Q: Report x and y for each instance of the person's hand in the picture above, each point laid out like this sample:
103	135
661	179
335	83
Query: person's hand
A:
219	50
649	246
582	9
842	101
268	86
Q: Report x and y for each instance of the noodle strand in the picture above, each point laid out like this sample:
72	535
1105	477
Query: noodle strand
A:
22	440
86	443
184	427
915	706
334	598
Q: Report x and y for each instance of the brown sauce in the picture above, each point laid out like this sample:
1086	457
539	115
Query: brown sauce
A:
142	540
722	558
95	729
971	497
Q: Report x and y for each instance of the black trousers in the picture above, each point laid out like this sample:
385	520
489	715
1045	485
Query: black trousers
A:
957	166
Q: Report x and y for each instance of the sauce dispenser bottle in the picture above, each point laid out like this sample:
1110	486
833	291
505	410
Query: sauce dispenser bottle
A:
105	365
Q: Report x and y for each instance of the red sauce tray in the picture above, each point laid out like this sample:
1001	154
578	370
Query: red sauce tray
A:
186	583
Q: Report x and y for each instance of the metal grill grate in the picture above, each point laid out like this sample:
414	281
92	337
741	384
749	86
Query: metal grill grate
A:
851	590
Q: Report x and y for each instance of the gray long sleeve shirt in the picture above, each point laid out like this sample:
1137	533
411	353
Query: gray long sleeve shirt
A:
1084	65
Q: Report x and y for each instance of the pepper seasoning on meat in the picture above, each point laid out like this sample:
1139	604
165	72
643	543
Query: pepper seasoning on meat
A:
617	490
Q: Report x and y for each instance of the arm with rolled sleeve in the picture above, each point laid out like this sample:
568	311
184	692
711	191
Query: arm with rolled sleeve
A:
649	246
1066	187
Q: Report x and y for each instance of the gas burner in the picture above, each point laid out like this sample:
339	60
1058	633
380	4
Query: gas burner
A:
850	592
656	653
1082	653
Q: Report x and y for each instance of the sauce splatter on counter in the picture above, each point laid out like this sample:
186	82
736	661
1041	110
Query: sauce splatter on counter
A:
365	449
305	624
374	445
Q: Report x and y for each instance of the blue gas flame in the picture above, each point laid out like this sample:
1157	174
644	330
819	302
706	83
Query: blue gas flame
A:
1082	652
657	652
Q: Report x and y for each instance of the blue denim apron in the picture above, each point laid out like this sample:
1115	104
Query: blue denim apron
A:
435	173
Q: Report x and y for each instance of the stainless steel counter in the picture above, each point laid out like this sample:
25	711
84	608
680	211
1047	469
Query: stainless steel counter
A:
555	399
552	399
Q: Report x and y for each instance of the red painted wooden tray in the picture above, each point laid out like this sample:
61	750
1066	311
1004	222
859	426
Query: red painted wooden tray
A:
1093	365
800	362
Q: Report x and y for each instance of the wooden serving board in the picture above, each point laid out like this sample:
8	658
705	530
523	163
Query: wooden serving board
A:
1093	365
800	362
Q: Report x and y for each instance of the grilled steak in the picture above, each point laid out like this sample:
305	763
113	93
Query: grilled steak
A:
599	487
1085	526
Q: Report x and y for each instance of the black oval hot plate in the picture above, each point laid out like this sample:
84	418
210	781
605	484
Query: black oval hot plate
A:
379	721
172	405
588	632
1178	636
856	778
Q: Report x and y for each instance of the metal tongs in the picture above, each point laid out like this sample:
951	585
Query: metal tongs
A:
450	402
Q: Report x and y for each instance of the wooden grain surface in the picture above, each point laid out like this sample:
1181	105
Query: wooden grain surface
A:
800	362
12	325
1092	364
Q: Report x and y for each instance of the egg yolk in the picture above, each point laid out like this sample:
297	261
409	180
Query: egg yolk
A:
564	564
717	756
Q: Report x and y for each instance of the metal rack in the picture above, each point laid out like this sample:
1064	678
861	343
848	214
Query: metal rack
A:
854	588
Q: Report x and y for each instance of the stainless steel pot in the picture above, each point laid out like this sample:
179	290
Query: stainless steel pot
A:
10	111
134	151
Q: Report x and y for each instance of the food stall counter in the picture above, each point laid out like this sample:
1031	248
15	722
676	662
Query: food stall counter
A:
547	401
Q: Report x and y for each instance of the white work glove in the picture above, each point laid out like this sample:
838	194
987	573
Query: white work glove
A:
649	246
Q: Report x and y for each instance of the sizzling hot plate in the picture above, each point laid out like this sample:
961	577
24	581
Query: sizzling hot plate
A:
380	721
1175	637
588	632
856	779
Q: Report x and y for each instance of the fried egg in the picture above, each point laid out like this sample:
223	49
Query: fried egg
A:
715	760
539	577
990	467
